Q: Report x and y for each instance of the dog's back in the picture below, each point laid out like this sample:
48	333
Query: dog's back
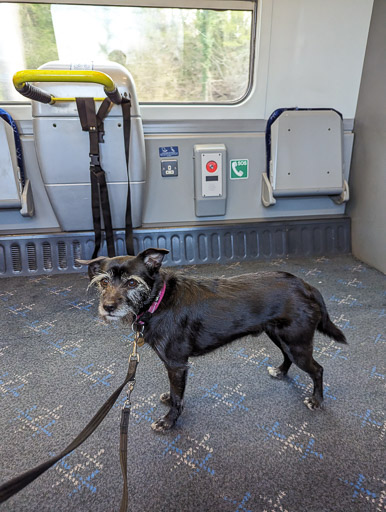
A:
223	309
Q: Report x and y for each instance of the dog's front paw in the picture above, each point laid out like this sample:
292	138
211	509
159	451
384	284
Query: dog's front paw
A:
275	372
162	424
312	403
165	398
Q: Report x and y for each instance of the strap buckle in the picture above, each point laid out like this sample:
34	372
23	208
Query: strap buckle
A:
94	159
101	133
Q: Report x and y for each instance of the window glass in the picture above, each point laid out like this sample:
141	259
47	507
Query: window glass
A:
174	55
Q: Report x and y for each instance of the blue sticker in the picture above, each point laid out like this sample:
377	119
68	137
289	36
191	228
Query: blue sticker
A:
167	151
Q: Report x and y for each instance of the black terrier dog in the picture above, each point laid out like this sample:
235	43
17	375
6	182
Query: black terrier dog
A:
183	316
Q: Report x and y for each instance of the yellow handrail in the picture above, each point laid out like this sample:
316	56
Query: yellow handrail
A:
63	75
21	81
55	99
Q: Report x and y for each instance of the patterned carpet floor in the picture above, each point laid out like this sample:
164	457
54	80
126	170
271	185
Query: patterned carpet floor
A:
245	442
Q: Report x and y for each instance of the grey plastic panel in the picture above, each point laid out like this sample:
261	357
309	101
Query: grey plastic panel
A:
44	219
72	204
63	151
210	197
9	170
214	126
306	153
171	201
43	254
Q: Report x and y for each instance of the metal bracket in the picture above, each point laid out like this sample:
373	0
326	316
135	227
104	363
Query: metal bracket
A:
344	196
266	191
27	203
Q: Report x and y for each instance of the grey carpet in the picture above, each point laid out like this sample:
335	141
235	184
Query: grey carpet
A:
245	442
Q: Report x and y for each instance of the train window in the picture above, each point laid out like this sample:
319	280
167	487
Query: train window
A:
175	55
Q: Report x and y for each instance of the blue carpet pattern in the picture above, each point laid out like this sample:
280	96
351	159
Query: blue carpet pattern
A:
245	442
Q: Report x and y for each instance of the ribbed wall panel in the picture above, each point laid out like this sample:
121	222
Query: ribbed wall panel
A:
52	254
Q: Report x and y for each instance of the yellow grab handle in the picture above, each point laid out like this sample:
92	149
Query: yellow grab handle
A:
63	75
21	81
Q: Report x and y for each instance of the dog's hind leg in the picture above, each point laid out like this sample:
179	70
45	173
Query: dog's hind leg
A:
278	371
301	355
174	399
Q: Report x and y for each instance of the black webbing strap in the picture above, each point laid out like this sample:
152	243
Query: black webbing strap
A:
98	178
92	123
126	106
18	483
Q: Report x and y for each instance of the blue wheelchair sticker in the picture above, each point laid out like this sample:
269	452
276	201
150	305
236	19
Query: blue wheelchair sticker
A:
167	151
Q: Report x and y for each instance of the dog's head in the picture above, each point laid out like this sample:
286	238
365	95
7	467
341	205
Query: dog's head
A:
127	284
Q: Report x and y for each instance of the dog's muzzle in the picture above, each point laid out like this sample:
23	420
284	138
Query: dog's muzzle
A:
112	312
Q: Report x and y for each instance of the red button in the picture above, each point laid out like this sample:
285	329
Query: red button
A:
211	166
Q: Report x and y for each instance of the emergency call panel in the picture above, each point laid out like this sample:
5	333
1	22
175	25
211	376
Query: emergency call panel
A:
211	173
210	179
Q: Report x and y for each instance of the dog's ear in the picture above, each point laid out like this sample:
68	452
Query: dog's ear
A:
94	265
153	258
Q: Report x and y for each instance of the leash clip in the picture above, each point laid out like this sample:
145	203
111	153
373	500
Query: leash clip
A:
138	341
134	356
130	387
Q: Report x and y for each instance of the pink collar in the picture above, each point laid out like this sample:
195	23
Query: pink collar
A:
155	304
158	300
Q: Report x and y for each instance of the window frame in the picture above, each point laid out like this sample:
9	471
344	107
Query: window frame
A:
244	5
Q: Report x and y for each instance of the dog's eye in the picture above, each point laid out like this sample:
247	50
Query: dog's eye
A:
104	282
132	283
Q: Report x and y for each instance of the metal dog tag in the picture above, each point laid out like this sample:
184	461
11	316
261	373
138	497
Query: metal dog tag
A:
140	341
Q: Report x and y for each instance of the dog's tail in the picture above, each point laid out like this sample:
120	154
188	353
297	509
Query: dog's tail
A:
325	325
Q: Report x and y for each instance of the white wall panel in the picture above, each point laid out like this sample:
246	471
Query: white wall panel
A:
317	52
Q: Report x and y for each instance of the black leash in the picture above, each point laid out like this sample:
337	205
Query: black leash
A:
18	483
125	416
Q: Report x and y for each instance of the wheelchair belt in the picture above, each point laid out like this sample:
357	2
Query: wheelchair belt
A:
92	122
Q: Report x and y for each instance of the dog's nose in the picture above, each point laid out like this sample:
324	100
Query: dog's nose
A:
109	307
